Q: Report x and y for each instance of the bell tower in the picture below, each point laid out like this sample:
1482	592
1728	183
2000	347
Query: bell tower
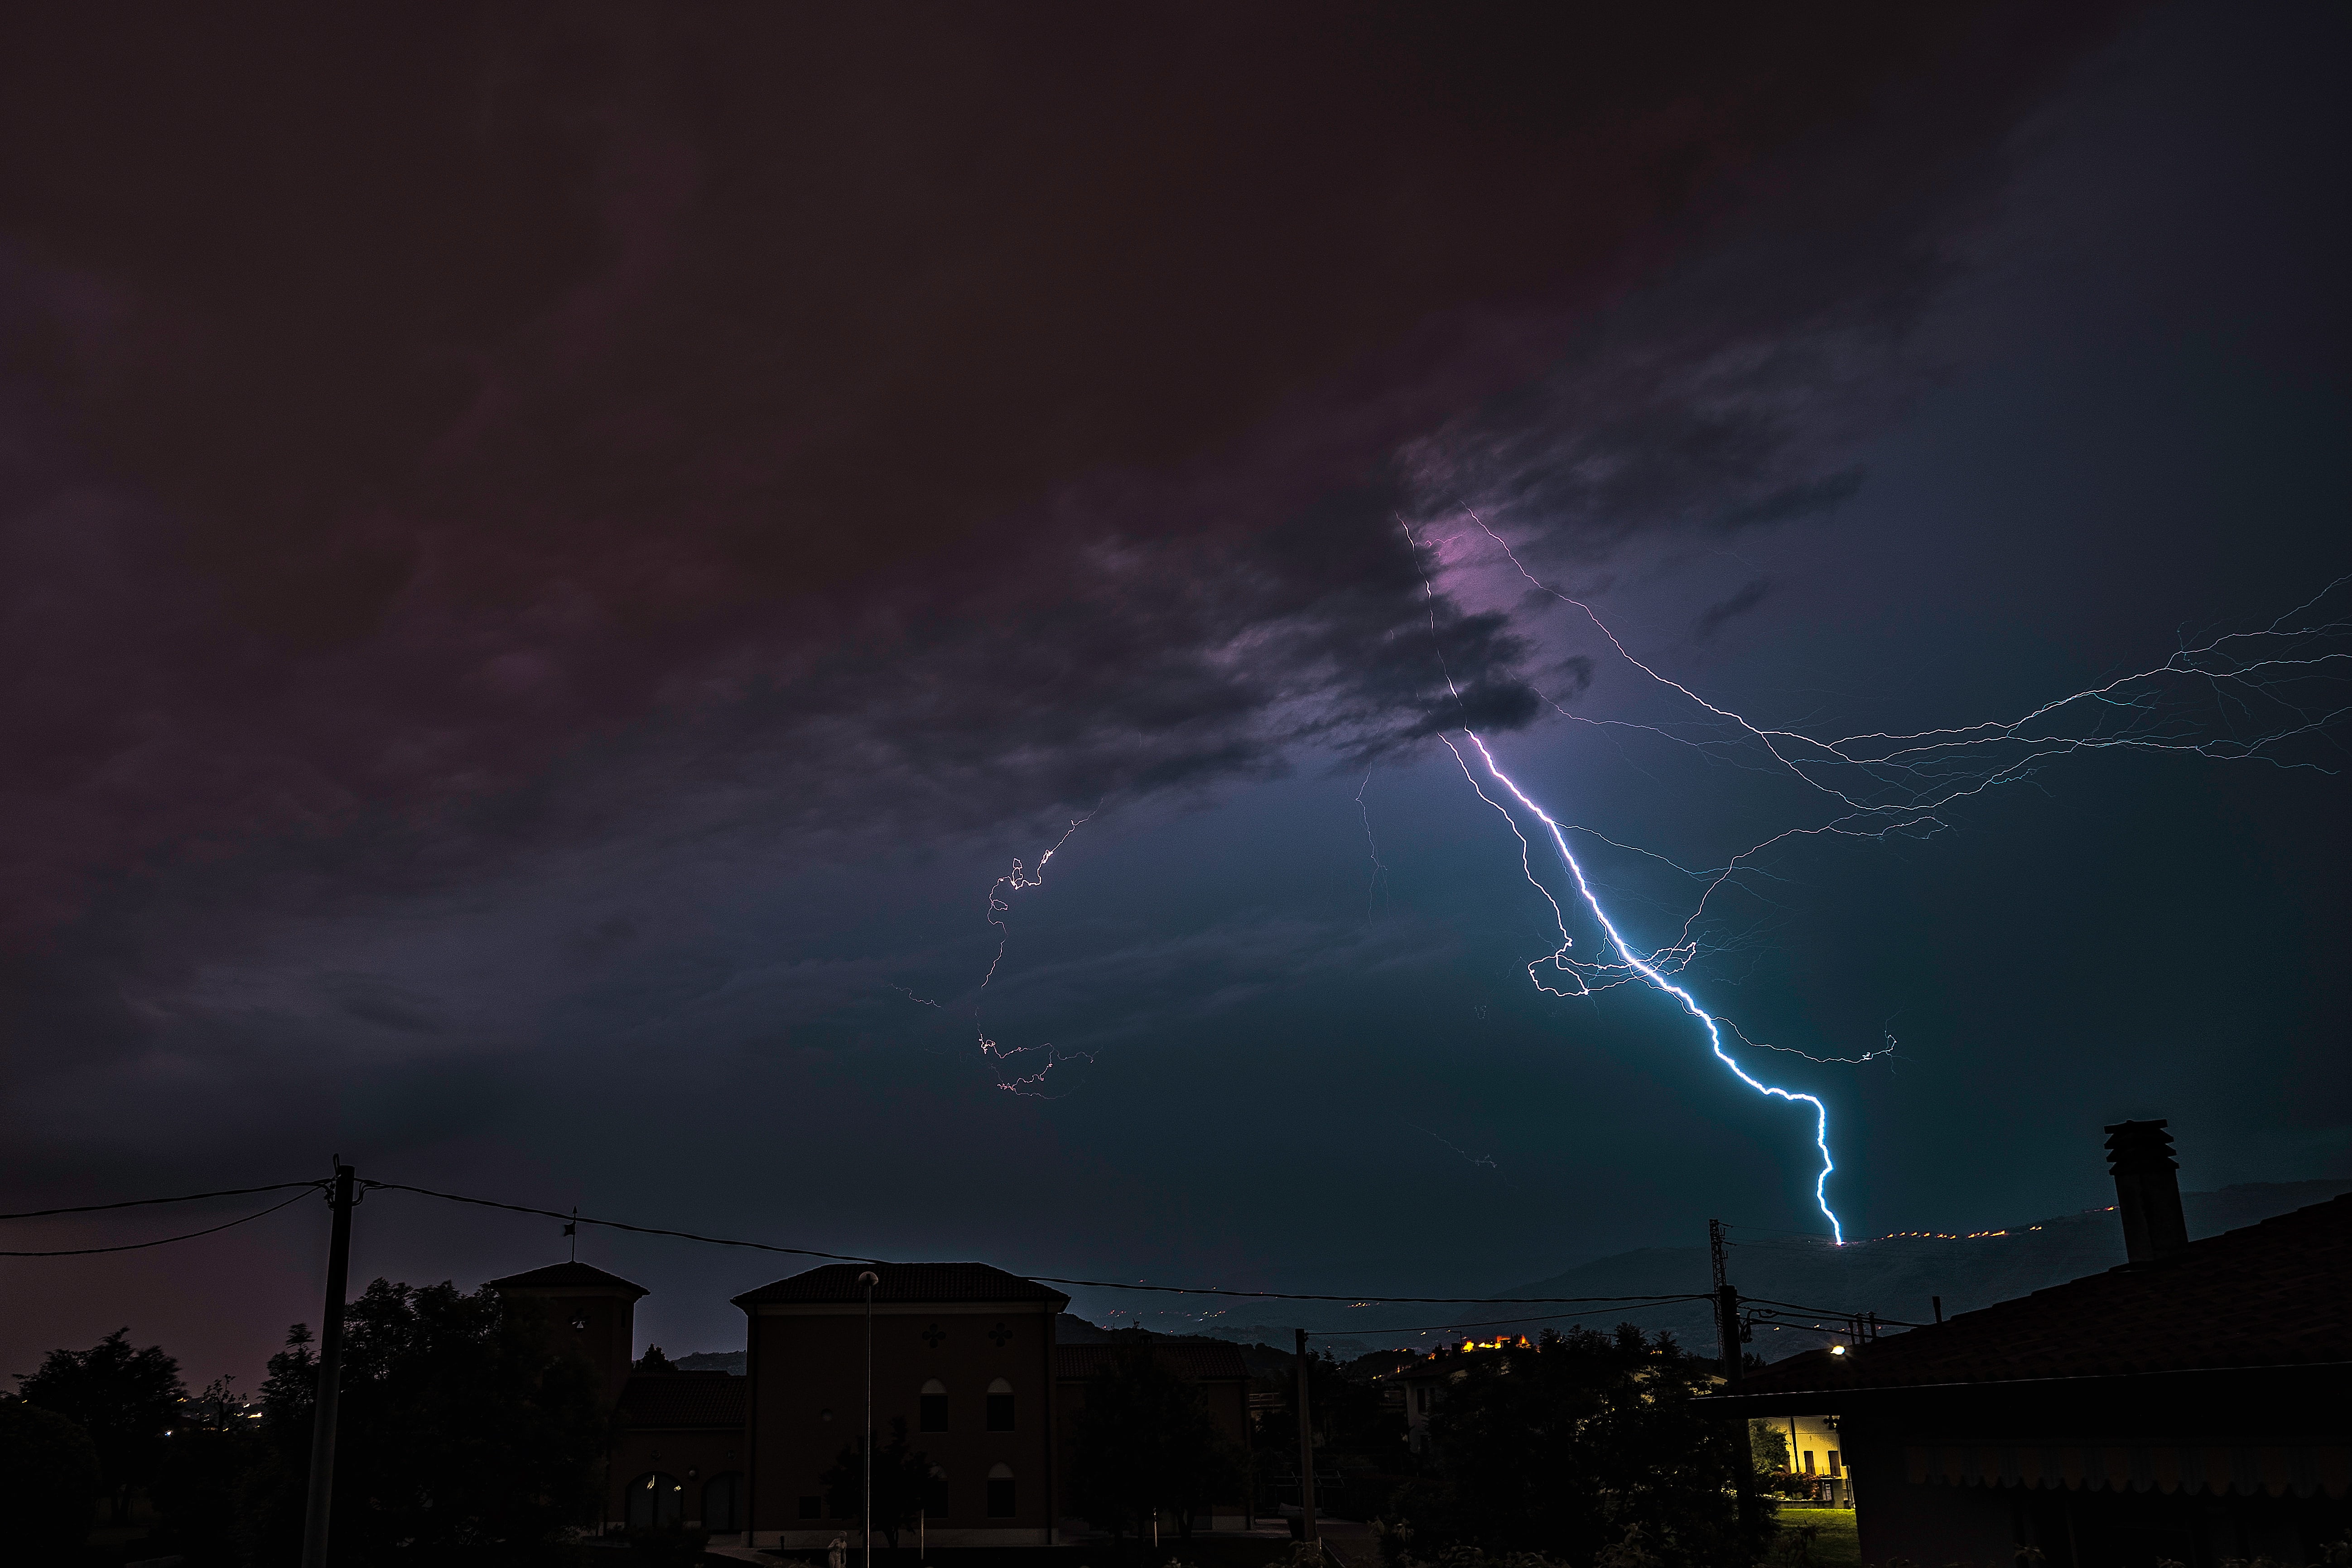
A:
596	1312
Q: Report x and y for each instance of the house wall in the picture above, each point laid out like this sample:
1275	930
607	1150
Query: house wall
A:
607	1338
690	1454
1894	1517
1821	1437
1937	1521
807	1364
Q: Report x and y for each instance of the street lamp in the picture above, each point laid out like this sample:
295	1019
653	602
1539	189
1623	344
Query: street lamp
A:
868	1279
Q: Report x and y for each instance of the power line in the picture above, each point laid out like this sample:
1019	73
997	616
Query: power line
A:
1041	1279
164	1241
1828	1312
1629	1302
1544	1318
143	1203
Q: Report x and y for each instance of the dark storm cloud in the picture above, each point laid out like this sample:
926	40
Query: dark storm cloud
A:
464	466
1711	619
400	403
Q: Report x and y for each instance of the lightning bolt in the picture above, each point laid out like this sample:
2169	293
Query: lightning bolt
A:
1882	785
998	904
1636	962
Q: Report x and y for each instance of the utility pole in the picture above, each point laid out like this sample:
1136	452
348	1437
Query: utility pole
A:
869	1279
1306	1450
1727	1334
1727	1311
330	1375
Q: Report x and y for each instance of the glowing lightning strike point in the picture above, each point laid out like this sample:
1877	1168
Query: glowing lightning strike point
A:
1643	967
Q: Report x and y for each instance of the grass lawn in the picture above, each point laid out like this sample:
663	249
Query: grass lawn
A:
1835	1546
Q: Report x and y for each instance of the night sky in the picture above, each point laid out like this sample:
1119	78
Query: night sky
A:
550	558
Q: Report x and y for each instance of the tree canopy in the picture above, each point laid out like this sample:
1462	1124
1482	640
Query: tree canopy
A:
1583	1448
124	1399
466	1429
902	1480
1147	1444
50	1463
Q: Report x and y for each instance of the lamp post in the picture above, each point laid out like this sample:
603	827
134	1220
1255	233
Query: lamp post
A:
869	1279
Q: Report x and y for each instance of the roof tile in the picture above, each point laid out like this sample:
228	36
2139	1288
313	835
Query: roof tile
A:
904	1282
2274	1294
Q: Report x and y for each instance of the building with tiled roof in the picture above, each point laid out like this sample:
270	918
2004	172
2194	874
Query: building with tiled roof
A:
573	1275
679	1401
2189	1404
899	1283
678	1436
962	1353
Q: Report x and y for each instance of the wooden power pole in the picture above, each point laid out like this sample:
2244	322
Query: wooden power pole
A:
1306	1450
330	1376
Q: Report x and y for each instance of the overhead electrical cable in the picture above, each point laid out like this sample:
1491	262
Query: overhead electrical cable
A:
1768	1308
164	1240
1041	1278
143	1203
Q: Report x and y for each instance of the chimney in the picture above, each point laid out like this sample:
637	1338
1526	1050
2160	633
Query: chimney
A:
2148	1190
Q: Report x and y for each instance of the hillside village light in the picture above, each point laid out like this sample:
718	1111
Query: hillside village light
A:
869	1279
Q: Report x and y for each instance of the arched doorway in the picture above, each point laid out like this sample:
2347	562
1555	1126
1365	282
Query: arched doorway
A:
655	1499
718	1495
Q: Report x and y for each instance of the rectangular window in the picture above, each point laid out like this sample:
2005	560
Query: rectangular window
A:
935	1495
1809	1461
1834	1462
1000	1413
999	1497
933	1416
813	1508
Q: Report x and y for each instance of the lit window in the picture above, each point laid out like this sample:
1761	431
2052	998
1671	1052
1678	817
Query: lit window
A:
1000	1491
1000	1407
932	1413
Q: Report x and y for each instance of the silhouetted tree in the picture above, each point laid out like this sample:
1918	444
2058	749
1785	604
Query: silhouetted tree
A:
467	1431
1147	1442
902	1479
125	1399
214	1445
1583	1445
52	1468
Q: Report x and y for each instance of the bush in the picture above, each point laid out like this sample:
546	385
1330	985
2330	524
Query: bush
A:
1587	1448
53	1470
668	1546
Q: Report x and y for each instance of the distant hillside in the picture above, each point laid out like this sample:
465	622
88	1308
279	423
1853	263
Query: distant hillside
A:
1895	1277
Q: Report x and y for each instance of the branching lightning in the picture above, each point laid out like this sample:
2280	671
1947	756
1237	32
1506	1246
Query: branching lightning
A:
1000	894
1883	784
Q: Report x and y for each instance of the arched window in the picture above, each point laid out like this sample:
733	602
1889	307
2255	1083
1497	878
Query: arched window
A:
932	1411
935	1493
1000	1491
655	1499
718	1495
1000	1407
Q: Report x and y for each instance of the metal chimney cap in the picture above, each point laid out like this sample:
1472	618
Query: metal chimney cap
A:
2139	1148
